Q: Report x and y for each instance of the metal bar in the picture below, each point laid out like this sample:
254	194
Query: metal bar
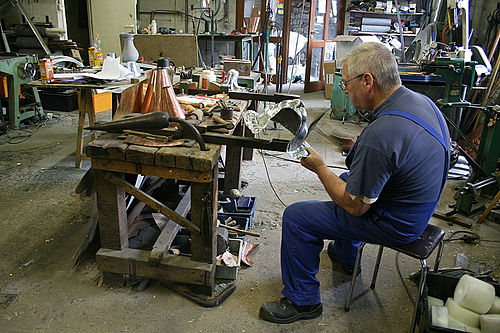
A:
246	142
262	97
17	5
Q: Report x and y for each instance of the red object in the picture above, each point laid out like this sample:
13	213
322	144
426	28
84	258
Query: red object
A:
223	79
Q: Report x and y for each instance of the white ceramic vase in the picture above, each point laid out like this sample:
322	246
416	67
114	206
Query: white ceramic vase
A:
129	52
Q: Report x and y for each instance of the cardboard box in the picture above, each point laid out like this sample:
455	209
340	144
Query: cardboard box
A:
100	101
329	67
346	43
243	66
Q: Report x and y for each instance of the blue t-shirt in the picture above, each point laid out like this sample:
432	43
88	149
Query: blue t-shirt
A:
394	159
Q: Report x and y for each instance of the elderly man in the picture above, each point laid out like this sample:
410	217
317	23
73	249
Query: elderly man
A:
397	170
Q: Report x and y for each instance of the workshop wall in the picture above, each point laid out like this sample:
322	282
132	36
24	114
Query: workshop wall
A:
480	9
38	10
176	15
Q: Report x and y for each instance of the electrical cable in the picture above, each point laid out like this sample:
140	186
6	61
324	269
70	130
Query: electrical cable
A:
398	269
468	237
269	179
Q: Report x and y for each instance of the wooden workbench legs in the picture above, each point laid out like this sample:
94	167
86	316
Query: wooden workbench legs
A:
233	163
86	109
204	215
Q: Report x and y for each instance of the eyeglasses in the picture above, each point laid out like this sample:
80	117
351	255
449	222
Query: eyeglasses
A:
343	84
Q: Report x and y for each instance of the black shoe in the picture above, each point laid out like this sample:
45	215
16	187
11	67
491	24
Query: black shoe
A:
348	270
285	312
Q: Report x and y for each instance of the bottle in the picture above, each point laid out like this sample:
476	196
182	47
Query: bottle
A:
97	55
154	27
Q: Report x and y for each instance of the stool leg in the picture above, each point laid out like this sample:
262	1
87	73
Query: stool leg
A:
420	291
438	256
377	265
354	274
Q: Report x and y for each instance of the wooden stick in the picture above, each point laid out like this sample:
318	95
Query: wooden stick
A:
152	202
239	231
489	208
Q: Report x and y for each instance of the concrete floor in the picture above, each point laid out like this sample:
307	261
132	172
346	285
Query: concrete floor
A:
43	225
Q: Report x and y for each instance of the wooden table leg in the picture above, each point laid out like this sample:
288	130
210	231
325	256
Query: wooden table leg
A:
111	207
204	215
86	109
233	163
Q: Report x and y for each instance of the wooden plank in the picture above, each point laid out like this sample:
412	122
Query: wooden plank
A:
188	158
204	215
172	268
168	234
107	146
148	170
113	228
151	202
141	154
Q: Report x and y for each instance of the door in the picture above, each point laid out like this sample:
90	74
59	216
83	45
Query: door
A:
322	28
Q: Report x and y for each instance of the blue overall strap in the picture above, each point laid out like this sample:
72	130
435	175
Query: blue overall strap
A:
430	130
442	124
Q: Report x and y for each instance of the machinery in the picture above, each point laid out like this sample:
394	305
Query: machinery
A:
16	70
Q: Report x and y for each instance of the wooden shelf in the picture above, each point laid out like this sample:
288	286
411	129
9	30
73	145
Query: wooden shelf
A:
376	13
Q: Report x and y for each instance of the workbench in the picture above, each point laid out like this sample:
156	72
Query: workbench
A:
112	159
86	108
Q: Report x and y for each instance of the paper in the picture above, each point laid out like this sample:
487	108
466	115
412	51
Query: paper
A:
112	70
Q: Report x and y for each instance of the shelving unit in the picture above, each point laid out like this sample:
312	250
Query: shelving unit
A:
354	18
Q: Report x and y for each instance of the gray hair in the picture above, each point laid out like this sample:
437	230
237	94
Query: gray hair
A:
376	59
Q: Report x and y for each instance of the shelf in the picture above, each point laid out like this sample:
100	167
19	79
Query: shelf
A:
381	33
392	14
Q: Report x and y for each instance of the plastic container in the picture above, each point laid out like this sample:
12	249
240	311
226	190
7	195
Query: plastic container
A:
439	286
230	273
59	99
154	27
206	77
240	222
232	206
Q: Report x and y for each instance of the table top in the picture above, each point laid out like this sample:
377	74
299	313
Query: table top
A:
116	87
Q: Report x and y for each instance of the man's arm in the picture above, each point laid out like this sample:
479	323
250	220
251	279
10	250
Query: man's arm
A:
333	184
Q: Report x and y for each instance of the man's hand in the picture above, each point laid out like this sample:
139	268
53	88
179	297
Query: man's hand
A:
313	162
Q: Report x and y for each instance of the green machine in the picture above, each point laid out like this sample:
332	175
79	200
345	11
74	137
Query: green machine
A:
340	103
20	69
457	73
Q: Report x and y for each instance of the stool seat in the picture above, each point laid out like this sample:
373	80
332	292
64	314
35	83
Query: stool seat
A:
423	246
419	249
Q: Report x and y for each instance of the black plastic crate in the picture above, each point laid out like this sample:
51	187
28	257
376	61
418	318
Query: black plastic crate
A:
241	222
241	206
439	286
59	99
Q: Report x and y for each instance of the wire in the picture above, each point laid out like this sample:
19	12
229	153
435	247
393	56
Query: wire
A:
402	279
269	179
468	237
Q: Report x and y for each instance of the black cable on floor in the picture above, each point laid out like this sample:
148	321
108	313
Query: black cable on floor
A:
269	179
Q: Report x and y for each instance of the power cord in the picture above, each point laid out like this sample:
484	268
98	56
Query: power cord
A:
468	237
269	179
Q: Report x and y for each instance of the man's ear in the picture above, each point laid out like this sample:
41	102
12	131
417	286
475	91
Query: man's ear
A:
368	80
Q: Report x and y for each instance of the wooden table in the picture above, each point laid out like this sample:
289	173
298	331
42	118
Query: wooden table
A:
86	107
113	158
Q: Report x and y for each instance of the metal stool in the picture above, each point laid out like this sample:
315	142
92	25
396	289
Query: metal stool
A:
420	249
